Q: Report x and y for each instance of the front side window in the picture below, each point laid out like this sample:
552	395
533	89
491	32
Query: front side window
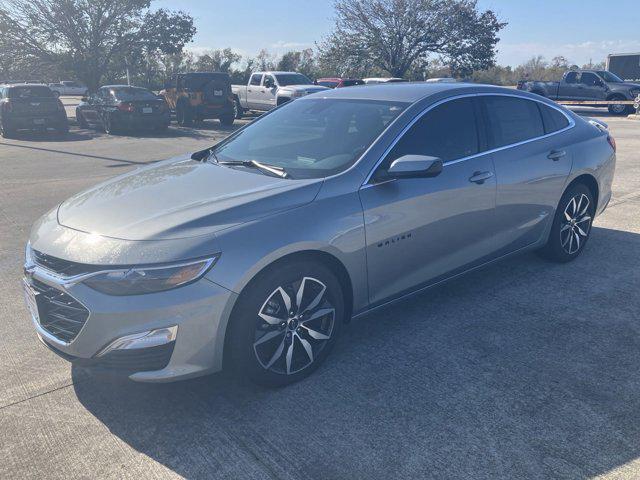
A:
448	132
312	138
589	79
572	77
512	120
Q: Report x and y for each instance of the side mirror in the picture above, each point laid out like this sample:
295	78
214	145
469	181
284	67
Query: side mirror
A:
415	166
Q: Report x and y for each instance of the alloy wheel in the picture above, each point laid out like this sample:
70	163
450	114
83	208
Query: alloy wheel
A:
293	325
575	224
618	109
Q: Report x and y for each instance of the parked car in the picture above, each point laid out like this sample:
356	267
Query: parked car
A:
116	108
267	90
68	88
253	252
585	85
374	80
30	107
441	80
200	95
336	82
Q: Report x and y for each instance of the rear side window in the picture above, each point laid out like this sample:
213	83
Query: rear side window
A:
512	120
255	79
552	119
448	132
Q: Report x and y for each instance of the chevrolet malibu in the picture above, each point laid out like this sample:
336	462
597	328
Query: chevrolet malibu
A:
253	253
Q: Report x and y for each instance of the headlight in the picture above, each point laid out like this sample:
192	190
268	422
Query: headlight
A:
150	279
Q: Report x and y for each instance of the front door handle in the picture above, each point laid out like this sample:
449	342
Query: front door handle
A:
556	155
480	177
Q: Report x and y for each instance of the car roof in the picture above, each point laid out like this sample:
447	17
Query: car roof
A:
123	86
11	85
408	92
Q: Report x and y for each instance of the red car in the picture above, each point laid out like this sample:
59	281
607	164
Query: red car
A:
339	82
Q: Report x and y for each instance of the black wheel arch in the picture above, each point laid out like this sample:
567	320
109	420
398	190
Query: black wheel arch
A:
588	181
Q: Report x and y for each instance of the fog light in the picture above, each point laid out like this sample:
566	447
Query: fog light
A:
150	338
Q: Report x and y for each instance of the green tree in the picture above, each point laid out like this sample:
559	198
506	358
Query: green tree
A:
218	61
92	38
395	35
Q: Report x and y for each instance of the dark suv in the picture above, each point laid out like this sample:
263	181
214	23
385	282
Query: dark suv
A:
30	107
200	95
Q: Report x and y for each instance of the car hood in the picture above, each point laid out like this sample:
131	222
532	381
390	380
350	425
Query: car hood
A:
625	85
181	198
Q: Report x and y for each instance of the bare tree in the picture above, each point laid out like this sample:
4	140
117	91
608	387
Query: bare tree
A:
218	61
393	35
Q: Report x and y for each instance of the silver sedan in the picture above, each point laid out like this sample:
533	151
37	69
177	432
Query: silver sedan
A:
253	253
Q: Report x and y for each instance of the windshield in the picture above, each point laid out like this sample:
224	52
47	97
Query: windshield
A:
609	77
128	94
328	83
197	81
285	79
312	138
30	92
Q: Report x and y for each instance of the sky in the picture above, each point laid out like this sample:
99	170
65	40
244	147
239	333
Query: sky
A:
580	30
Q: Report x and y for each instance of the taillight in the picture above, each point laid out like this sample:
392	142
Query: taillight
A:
612	142
126	107
6	106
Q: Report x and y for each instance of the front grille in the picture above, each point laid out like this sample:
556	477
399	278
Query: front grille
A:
62	267
60	314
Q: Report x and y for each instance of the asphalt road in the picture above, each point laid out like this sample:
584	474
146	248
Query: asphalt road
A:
525	369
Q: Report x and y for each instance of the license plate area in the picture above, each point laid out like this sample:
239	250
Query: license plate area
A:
217	93
31	301
147	110
38	121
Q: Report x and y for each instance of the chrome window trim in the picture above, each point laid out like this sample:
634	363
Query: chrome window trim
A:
571	121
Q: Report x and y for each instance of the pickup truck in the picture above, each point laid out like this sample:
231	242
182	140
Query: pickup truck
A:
266	90
68	88
585	85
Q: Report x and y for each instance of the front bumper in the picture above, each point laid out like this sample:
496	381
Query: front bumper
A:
199	311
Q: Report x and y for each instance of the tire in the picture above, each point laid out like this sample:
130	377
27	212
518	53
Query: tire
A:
7	132
110	126
227	120
162	128
184	116
238	111
275	347
619	109
81	120
571	225
63	130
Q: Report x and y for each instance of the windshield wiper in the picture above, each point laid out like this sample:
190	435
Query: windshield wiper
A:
272	169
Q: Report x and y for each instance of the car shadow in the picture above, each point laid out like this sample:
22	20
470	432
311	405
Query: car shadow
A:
51	136
524	369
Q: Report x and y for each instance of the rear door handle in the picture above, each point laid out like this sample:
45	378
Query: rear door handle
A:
556	155
480	177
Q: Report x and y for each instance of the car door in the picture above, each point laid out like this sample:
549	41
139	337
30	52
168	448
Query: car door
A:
268	92
593	87
569	87
253	91
421	230
532	163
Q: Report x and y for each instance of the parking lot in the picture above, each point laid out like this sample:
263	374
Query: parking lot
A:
524	369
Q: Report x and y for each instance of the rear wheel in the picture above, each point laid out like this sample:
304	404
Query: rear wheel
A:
571	225
110	126
227	120
184	115
286	323
6	132
82	122
238	111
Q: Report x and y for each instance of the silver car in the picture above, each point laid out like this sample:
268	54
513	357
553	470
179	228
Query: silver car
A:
252	254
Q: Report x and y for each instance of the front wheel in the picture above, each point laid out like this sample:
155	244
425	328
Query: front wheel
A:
227	120
571	225
620	109
286	323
